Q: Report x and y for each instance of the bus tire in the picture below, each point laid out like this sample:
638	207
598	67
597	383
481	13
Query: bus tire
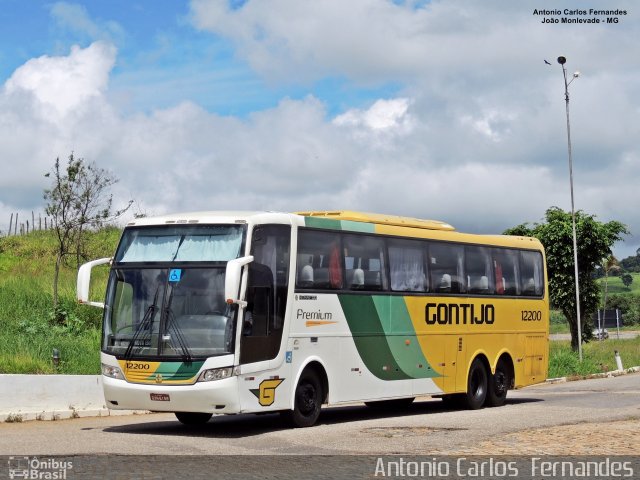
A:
499	384
395	404
477	385
307	401
193	418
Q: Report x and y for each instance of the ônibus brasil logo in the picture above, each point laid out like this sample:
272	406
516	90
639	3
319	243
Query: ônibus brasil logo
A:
35	468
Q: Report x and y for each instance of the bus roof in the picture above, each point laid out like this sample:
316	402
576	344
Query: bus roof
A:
381	219
344	220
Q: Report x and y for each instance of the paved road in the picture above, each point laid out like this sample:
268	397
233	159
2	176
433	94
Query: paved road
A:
574	417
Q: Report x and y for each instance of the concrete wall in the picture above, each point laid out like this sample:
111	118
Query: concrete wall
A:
51	397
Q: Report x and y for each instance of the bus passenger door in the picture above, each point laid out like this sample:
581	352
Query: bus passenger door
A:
266	294
263	321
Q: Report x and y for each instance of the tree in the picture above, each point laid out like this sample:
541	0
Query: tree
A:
627	279
77	201
632	263
594	241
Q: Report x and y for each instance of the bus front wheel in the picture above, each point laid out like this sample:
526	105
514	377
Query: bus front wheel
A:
477	385
307	401
193	418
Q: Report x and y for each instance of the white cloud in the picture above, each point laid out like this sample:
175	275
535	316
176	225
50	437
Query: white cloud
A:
65	83
383	115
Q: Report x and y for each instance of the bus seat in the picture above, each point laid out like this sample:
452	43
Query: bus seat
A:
305	279
529	287
321	277
372	280
483	285
357	279
445	283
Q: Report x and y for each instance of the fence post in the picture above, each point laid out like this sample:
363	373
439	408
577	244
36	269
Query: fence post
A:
15	231
10	224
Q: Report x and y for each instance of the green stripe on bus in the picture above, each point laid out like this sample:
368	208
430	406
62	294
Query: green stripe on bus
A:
358	226
344	225
369	337
322	223
399	329
177	370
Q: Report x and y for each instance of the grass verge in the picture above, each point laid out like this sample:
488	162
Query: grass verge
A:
598	357
31	329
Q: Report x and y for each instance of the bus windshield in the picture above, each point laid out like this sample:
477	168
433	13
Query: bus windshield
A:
206	243
165	294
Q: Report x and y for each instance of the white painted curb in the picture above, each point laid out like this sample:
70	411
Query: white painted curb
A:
612	373
52	397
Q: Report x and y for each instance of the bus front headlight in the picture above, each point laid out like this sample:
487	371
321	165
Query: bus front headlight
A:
215	374
112	372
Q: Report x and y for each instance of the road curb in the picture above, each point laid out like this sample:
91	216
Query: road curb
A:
612	373
54	415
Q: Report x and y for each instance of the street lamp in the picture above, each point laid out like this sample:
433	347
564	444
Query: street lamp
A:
562	61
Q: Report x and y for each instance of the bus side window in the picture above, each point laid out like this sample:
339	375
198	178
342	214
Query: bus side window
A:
266	293
532	281
319	260
407	266
364	262
478	268
446	267
506	268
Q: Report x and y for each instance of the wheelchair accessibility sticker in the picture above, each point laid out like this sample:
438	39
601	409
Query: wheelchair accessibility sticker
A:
175	274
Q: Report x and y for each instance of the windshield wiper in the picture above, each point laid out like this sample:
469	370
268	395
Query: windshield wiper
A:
172	325
145	324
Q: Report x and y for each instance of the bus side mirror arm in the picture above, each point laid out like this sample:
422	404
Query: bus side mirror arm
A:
232	278
84	280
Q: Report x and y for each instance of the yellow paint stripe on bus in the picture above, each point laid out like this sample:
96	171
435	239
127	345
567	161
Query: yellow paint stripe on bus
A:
317	323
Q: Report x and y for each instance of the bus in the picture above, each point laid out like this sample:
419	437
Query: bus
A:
250	312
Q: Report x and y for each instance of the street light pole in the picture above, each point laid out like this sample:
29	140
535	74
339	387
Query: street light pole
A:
562	61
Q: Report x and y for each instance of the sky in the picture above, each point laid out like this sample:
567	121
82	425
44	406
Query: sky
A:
441	109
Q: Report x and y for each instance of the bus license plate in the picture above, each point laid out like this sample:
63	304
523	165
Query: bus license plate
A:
159	397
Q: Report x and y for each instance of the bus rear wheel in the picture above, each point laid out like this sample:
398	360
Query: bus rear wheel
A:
477	385
193	418
307	401
499	384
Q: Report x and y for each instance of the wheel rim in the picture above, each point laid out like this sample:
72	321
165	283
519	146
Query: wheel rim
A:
500	383
307	402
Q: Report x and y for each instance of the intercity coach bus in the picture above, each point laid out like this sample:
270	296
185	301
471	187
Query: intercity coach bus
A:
238	312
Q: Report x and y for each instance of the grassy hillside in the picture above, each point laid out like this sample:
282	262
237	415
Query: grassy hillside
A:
30	327
616	285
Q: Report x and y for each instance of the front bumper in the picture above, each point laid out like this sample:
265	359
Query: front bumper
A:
218	396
